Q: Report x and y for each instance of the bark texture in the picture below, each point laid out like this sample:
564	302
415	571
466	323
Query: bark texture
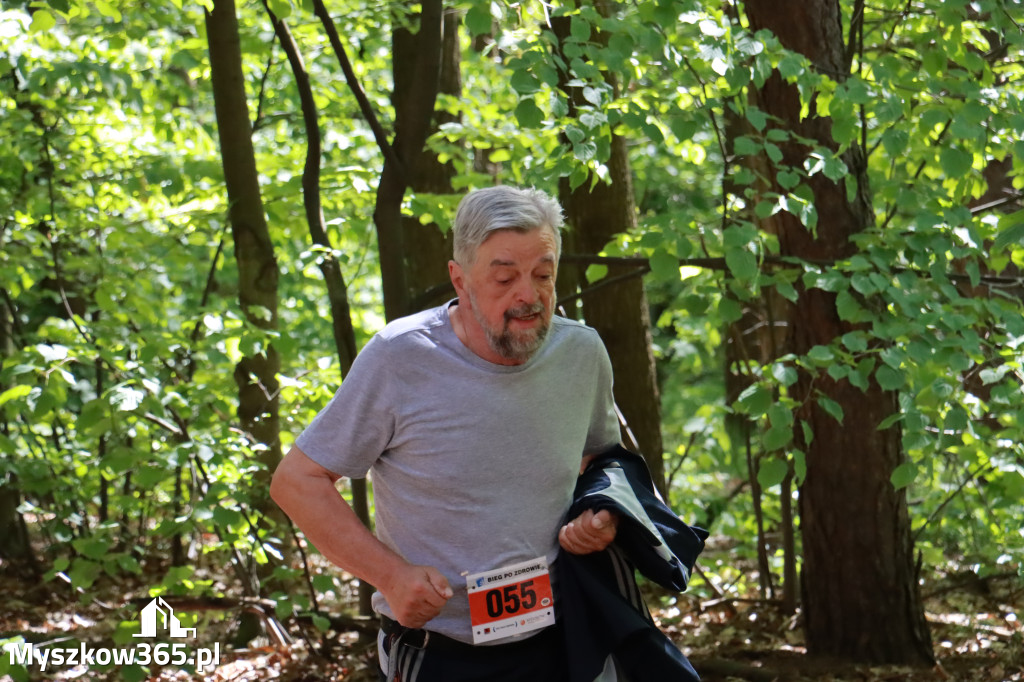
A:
596	213
417	66
860	592
427	248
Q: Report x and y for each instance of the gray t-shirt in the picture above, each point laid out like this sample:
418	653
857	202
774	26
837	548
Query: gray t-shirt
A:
473	464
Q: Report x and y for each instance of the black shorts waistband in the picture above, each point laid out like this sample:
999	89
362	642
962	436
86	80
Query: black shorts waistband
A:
421	639
426	639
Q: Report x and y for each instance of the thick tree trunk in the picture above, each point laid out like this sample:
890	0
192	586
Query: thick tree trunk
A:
860	595
619	313
255	375
427	248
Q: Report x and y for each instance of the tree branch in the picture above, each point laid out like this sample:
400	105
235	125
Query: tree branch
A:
344	335
353	83
720	264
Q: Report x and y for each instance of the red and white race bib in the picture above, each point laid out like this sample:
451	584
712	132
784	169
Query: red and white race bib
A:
510	600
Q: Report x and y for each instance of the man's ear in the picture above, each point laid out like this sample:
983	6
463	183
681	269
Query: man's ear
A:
458	277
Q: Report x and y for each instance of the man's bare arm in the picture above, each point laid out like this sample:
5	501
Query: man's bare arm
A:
305	491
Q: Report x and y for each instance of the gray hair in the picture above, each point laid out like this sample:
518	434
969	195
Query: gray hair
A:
486	210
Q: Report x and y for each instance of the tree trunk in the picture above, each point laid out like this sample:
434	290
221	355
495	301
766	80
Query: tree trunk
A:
860	594
416	65
15	546
255	375
619	313
427	248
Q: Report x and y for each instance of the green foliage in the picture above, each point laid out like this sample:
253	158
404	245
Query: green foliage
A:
116	388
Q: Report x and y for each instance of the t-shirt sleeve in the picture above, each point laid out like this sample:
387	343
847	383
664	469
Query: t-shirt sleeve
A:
356	426
604	423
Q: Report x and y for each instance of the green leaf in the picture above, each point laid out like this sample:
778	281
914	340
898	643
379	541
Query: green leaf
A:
807	431
84	572
955	162
742	263
895	141
780	415
323	582
787	179
821	355
320	623
889	379
834	409
528	114
771	471
1010	231
478	18
856	342
42	21
890	420
956	419
757	118
524	82
784	374
934	61
744	146
729	310
585	151
281	8
787	291
596	272
283	608
579	29
754	400
92	547
800	462
791	65
15	393
664	265
903	475
778	437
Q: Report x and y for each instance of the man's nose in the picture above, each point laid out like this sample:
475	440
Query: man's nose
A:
527	291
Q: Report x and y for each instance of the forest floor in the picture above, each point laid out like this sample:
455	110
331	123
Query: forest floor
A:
976	626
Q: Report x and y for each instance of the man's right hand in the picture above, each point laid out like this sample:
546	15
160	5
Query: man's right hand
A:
416	594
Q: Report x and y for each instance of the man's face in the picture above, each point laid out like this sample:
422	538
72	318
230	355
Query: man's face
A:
510	290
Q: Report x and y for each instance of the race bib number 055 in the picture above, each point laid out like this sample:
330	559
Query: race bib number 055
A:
510	600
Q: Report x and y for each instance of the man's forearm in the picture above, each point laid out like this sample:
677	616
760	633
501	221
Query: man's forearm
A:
305	491
311	501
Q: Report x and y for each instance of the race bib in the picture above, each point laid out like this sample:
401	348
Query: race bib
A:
510	600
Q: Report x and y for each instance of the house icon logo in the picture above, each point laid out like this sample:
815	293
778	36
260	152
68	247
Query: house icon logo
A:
159	610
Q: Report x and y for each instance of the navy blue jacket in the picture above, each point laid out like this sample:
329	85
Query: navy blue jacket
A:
603	613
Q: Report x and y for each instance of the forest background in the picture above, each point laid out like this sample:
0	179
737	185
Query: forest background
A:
797	227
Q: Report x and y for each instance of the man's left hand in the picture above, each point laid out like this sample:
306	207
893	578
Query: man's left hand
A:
589	532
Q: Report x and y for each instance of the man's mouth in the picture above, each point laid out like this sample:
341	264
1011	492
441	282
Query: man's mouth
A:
527	317
525	313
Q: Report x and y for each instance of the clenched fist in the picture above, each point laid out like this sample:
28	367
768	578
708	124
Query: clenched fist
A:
589	532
